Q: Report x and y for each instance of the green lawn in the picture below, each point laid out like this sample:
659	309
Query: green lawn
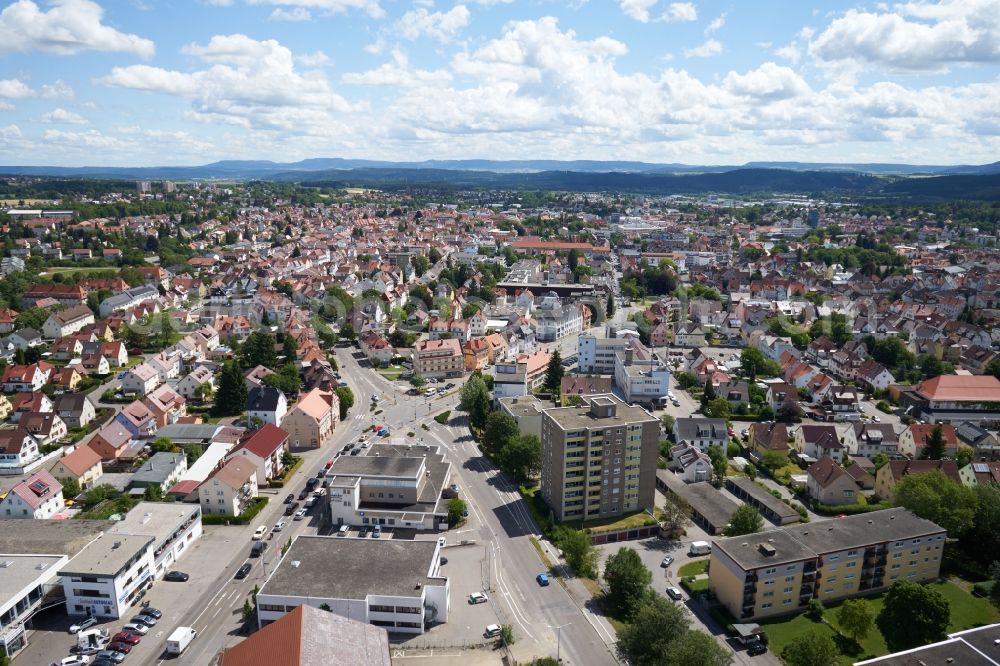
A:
967	612
693	568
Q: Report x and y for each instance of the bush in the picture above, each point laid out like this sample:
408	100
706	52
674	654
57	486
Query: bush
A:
883	406
442	418
289	472
848	509
256	505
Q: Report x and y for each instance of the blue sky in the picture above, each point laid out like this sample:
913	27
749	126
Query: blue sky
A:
159	82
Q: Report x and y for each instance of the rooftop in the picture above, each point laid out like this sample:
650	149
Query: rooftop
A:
155	519
19	571
583	416
106	556
63	537
353	568
381	465
961	388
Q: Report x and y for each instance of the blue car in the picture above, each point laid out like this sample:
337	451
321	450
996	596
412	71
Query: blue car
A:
543	579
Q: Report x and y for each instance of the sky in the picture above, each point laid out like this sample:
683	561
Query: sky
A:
182	82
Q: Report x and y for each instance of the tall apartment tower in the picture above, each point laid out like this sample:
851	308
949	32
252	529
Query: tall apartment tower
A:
169	186
143	186
598	459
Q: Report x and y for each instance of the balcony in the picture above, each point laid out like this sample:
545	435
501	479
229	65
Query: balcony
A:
809	567
751	577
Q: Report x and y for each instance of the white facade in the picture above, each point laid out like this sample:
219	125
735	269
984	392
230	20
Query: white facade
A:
107	575
597	355
642	382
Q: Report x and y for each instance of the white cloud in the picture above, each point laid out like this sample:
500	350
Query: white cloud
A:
9	135
88	139
219	3
397	73
68	27
709	48
485	3
315	59
791	53
768	82
58	90
15	89
920	36
716	24
442	26
294	15
637	9
6	106
370	7
248	83
63	116
680	12
376	47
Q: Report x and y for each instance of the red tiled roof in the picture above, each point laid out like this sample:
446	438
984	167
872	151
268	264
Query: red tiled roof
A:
970	388
265	441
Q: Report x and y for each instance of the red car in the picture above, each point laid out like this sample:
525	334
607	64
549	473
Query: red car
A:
126	637
118	646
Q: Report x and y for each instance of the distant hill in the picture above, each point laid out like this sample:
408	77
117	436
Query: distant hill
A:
978	188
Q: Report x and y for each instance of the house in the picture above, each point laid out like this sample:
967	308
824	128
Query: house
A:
873	376
476	353
691	463
816	441
138	419
82	465
26	338
115	351
140	380
18	447
166	404
580	385
828	483
781	396
254	376
862	477
701	433
46	427
25	378
66	378
871	439
5	407
38	497
311	421
162	470
913	440
980	473
67	322
985	444
25	403
438	358
736	392
267	404
65	349
264	448
166	364
891	473
95	364
191	386
128	299
64	294
770	436
111	441
229	490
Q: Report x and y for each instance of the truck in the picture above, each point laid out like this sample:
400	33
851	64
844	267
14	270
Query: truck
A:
89	641
700	548
180	639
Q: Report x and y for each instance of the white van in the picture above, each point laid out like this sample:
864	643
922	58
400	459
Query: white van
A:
700	548
343	530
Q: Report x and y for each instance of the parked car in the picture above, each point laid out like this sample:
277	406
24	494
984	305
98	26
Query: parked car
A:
377	532
363	532
300	514
111	655
258	549
667	561
176	577
242	572
126	637
80	626
478	598
147	620
674	593
119	646
290	498
259	533
151	612
75	660
292	508
543	579
492	630
136	628
756	648
303	494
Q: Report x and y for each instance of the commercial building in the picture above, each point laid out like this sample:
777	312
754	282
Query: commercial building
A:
24	582
597	355
779	571
391	583
598	459
173	526
954	399
394	485
972	647
438	358
640	375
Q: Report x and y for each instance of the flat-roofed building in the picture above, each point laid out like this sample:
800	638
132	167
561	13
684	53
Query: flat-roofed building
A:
780	571
972	647
174	526
25	580
393	485
106	577
392	583
598	459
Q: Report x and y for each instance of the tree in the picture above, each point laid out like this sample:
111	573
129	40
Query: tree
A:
345	396
933	445
984	537
912	615
166	329
522	457
475	400
578	550
290	350
628	582
501	429
745	520
153	493
71	488
709	393
507	634
718	408
456	511
164	445
347	332
231	398
325	607
856	618
720	464
247	611
258	349
647	639
811	649
939	499
554	373
697	648
751	362
675	515
609	310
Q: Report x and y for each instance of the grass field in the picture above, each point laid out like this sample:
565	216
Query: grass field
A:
693	568
967	612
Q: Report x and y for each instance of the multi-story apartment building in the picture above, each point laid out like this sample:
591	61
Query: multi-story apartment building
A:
779	571
597	355
438	358
598	459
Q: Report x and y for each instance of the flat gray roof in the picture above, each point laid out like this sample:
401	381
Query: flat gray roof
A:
380	465
106	556
352	568
158	468
806	541
19	571
766	499
49	537
580	417
156	519
708	502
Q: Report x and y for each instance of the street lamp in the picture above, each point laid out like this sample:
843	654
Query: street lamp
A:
559	639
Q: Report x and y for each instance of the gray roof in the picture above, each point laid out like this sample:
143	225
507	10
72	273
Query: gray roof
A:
63	537
581	417
107	555
353	568
377	466
699	428
763	497
159	520
157	469
189	432
20	571
806	541
974	647
714	507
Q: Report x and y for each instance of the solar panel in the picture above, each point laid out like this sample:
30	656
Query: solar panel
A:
980	468
39	488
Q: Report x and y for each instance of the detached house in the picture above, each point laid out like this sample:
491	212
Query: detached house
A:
770	436
891	473
267	404
140	380
870	439
264	448
701	433
190	386
25	378
82	465
18	447
817	441
138	419
46	427
828	483
112	441
913	440
311	421
38	497
691	463
228	492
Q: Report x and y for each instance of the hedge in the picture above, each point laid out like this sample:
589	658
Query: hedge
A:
848	509
442	418
256	505
289	471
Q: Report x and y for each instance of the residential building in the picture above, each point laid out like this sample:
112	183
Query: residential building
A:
112	441
311	421
828	483
891	473
816	441
598	459
871	439
266	403
46	427
392	485
780	571
985	444
597	355
140	380
128	299
438	358
65	294
396	584
769	436
913	440
554	320
701	433
308	635
75	409
18	448
641	376
526	410
691	463
166	404
980	473
67	322
580	385
82	465
138	419
38	497
162	470
229	490
264	448
25	378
